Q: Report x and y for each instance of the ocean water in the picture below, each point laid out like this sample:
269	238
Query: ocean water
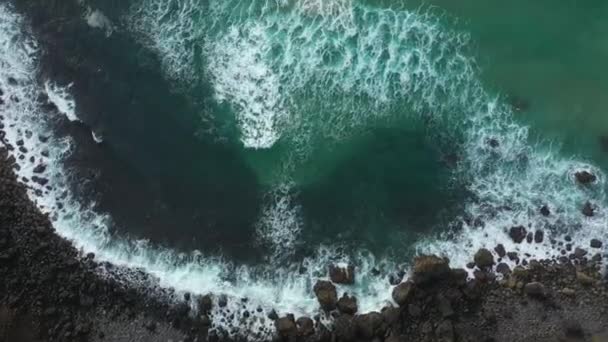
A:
239	147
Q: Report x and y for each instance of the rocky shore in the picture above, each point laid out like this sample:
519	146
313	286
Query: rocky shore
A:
49	291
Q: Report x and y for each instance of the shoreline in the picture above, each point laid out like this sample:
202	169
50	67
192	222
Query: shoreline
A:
52	292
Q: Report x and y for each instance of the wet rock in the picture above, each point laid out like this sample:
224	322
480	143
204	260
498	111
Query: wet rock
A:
483	258
403	292
545	211
396	277
370	325
539	236
588	209
344	328
444	306
535	289
40	168
347	304
518	234
445	332
326	294
529	237
584	279
595	243
286	328
222	301
503	268
500	250
272	315
585	177
205	304
414	310
40	180
306	326
579	253
459	276
429	267
493	142
342	275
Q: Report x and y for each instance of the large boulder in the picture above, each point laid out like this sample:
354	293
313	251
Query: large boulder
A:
483	258
286	328
344	328
306	326
326	294
347	304
342	274
403	292
518	234
430	267
585	177
370	325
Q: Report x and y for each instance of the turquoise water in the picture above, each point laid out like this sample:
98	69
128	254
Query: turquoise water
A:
284	135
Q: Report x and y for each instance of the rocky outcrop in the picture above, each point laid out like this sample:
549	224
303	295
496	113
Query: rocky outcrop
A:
518	234
585	177
342	274
326	295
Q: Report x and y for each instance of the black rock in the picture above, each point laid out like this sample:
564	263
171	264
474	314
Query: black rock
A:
205	304
588	209
518	234
370	325
595	243
305	326
544	210
347	304
539	236
286	328
403	292
503	268
326	294
342	275
484	258
585	177
535	289
500	250
579	253
529	237
222	301
444	306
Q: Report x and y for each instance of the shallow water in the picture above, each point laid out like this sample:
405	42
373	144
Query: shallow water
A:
284	135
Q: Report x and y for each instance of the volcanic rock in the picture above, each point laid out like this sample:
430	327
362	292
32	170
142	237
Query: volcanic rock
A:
588	209
545	211
370	325
500	250
286	327
539	236
518	234
595	243
429	267
306	326
326	294
342	275
585	177
535	289
403	292
347	304
484	258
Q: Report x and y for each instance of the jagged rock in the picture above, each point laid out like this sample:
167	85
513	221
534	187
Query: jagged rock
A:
584	279
40	168
347	304
585	177
429	267
286	327
444	306
342	275
205	304
513	256
503	268
370	325
588	209
326	294
545	211
484	258
518	234
535	289
306	326
539	236
579	253
500	250
595	243
344	328
445	332
403	292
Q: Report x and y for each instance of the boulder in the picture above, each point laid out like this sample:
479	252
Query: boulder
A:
500	250
445	332
347	304
535	289
370	325
483	258
595	243
403	292
579	253
539	236
342	275
588	209
344	328
545	211
430	267
40	168
459	276
518	234
585	177
326	294
503	268
205	304
306	326
286	328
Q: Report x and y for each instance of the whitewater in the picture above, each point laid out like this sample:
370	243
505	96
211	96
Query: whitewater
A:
308	73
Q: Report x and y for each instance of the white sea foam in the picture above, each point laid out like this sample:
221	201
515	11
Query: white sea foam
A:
96	19
63	100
